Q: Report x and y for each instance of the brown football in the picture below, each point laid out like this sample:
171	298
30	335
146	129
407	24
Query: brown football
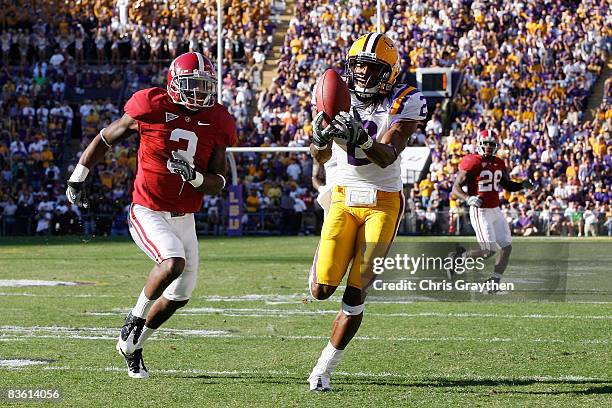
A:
332	95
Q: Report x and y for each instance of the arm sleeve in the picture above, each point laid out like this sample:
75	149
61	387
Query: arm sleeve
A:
408	104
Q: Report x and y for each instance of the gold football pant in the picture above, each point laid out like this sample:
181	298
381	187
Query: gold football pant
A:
359	234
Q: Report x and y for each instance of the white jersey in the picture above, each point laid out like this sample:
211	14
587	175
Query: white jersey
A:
330	170
353	167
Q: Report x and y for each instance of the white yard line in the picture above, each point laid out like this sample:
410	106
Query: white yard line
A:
294	299
20	283
18	363
360	374
97	333
263	312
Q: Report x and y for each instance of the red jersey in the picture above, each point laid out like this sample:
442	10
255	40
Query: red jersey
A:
484	176
164	127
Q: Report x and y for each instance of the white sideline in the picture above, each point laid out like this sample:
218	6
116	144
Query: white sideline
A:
100	333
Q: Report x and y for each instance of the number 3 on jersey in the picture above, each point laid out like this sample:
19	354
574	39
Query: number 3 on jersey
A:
192	142
372	130
489	181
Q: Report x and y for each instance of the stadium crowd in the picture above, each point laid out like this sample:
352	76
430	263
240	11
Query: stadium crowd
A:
529	68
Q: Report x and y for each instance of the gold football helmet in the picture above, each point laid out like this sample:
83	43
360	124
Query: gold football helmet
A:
378	53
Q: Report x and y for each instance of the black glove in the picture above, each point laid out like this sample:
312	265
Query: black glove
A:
76	194
322	136
178	164
527	184
350	129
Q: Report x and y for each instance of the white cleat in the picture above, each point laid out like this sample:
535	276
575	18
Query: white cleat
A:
319	383
135	363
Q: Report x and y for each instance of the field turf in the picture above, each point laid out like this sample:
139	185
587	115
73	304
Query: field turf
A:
250	335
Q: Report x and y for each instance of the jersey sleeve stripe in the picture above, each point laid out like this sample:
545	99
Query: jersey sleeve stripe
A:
399	101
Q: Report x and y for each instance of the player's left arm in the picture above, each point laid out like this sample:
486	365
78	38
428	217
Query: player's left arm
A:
211	181
513	186
391	144
214	179
408	108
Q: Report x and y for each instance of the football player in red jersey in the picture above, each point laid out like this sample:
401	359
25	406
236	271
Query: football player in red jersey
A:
183	136
485	175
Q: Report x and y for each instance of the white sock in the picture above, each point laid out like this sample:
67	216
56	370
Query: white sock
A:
142	306
146	332
330	357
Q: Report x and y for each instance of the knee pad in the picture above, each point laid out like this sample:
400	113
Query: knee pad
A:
352	310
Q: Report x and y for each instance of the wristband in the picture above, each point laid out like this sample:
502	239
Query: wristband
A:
367	144
79	174
320	147
198	180
103	138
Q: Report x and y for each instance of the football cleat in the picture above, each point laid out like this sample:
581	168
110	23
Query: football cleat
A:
450	272
493	290
130	334
135	364
319	383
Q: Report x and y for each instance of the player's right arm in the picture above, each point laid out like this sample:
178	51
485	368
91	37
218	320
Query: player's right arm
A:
321	146
317	182
461	179
117	131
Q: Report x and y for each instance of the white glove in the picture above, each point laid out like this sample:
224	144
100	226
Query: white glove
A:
474	201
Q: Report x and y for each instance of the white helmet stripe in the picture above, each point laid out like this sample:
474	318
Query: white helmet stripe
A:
172	68
200	61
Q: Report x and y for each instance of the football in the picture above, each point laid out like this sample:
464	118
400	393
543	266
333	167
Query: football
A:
332	95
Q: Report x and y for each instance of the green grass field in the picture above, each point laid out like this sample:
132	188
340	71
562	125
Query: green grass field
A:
250	336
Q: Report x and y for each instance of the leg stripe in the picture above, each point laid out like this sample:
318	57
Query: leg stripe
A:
399	216
476	224
313	269
142	234
480	226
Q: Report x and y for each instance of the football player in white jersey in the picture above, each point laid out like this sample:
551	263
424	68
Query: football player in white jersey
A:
367	203
323	181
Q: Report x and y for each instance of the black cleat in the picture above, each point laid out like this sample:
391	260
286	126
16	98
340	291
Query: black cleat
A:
130	334
492	287
135	364
450	272
319	383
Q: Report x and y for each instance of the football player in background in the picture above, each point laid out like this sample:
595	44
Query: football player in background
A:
485	175
183	135
367	203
